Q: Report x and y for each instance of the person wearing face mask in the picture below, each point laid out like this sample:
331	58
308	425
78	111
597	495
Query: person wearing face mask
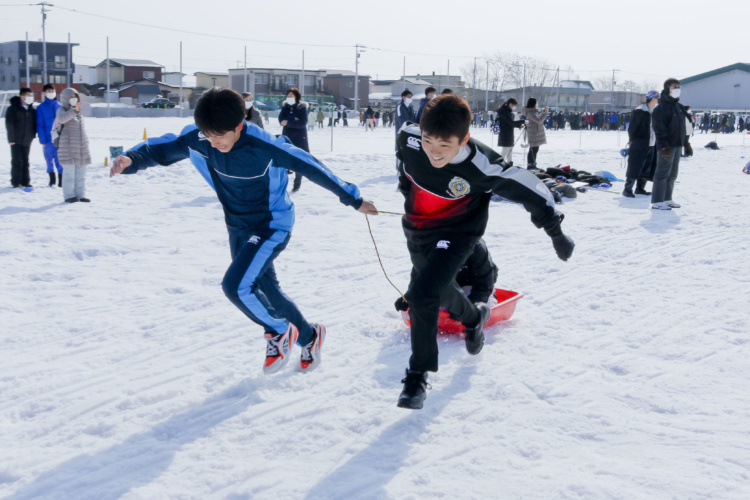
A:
642	141
668	120
73	148
505	139
293	117
45	117
20	124
404	110
430	93
253	115
535	128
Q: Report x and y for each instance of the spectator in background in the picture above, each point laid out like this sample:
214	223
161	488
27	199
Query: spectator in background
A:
669	126
253	115
404	110
430	93
642	141
293	117
320	118
446	92
369	117
266	116
73	149
20	124
45	117
535	129
688	149
505	138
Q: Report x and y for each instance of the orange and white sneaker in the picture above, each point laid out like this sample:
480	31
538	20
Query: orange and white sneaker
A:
278	347
310	358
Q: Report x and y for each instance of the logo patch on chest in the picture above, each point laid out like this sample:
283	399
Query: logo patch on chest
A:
414	143
458	187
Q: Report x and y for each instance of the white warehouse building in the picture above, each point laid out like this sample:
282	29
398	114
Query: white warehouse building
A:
725	89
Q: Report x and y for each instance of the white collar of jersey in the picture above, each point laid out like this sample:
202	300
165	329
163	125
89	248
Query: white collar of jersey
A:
463	153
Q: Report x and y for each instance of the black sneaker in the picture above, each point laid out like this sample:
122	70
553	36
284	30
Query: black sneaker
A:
475	334
642	191
415	390
85	200
628	194
71	200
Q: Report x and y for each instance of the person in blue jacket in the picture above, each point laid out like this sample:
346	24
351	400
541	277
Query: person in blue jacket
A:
293	117
429	95
247	167
45	117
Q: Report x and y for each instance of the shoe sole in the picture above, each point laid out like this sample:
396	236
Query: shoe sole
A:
404	404
316	356
283	360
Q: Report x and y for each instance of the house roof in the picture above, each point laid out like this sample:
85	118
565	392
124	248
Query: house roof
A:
413	81
138	63
726	69
382	82
575	83
210	73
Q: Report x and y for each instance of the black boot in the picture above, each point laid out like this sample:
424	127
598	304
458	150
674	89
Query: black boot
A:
640	187
628	191
59	180
475	334
415	390
52	180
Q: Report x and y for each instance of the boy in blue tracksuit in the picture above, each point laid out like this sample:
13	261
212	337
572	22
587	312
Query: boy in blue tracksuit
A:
45	117
247	167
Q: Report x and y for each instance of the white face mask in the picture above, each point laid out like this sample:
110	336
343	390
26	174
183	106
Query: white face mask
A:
675	93
29	100
408	100
73	101
249	104
290	101
50	95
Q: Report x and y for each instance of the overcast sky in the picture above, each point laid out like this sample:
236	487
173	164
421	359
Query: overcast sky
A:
645	40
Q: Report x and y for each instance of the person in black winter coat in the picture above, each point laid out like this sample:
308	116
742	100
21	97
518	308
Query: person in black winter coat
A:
669	127
293	117
20	124
505	138
642	141
429	95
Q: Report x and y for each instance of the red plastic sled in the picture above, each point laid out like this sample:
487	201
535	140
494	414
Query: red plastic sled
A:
502	311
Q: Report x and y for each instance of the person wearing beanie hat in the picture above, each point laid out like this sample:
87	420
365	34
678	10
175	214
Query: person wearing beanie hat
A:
668	121
642	141
535	129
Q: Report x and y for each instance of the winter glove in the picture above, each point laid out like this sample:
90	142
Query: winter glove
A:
688	149
563	245
401	304
666	153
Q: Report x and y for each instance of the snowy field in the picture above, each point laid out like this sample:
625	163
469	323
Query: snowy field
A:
126	373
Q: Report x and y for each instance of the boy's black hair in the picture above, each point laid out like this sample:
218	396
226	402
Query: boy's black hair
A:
24	90
406	93
446	117
668	83
512	101
447	92
48	87
430	89
219	111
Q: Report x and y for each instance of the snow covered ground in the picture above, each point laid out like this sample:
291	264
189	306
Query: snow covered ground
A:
125	373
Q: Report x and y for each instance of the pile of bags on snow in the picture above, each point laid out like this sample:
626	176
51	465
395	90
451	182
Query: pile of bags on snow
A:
559	179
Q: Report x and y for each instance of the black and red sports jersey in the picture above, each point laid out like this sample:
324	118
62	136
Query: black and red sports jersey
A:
456	197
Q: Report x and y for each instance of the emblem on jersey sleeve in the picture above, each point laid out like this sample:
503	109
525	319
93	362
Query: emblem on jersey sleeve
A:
459	187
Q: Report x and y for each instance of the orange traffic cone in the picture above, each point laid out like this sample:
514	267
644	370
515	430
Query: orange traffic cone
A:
144	134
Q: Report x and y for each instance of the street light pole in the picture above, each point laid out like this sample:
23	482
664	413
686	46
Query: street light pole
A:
44	40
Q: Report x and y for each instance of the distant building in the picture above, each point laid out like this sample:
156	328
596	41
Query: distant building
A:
269	85
570	95
207	80
173	78
85	74
724	89
13	65
441	82
128	70
341	87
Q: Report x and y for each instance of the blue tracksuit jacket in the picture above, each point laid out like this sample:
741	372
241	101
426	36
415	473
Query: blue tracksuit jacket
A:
251	179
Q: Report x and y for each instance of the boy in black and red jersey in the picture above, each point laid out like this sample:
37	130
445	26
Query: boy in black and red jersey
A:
447	179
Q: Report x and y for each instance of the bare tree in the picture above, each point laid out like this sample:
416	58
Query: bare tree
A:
648	85
602	83
630	85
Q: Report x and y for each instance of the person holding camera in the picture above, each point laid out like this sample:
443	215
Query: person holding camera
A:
73	146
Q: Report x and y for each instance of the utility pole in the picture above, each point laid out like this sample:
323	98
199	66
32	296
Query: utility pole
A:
28	78
180	79
558	89
523	94
613	89
108	95
44	40
403	75
356	76
244	72
474	88
70	63
303	73
487	90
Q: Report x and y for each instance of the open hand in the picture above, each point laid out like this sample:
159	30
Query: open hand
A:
119	164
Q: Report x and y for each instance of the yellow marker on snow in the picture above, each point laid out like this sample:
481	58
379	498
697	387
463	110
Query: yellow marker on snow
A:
106	161
144	134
